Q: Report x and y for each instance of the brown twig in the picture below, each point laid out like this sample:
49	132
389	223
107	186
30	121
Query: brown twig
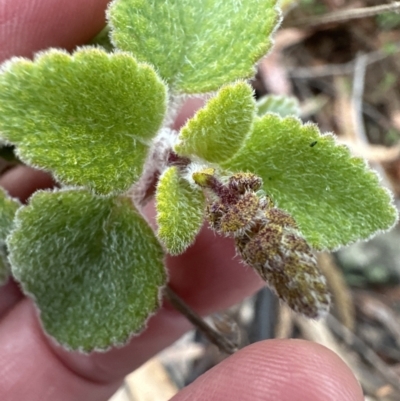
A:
340	69
374	309
364	351
347	15
284	324
360	68
339	289
212	335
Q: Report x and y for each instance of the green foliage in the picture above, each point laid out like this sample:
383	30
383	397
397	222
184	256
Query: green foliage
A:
195	45
87	257
8	207
88	117
180	211
92	265
283	105
218	130
388	21
103	39
334	197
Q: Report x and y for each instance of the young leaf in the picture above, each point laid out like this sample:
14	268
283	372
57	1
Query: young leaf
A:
282	105
103	39
92	264
218	130
87	117
195	45
180	211
334	197
8	207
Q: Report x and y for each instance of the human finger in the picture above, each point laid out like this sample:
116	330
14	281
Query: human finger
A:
31	371
270	370
29	26
10	294
21	181
277	370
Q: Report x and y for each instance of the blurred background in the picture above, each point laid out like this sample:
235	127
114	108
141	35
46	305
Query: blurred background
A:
341	60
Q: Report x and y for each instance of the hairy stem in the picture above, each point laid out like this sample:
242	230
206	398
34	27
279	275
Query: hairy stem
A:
211	334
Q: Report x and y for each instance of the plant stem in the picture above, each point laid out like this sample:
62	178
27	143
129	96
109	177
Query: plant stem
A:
211	334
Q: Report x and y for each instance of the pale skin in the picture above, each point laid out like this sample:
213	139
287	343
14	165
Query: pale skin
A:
32	368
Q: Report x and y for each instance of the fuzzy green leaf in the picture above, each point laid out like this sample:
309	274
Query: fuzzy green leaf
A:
180	211
92	264
102	39
218	130
283	105
8	208
88	117
335	198
195	45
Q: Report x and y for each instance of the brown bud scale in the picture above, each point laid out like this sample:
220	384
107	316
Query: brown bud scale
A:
267	238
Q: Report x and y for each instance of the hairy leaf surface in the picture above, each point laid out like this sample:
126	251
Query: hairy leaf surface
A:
195	45
217	131
8	208
282	105
92	264
88	117
180	211
334	197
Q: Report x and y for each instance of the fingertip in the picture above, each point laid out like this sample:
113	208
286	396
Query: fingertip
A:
31	371
27	27
284	370
187	111
10	295
21	181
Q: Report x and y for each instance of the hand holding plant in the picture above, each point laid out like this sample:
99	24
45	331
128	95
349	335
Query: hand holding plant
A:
88	296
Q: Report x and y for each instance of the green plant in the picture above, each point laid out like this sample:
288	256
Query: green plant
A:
98	121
